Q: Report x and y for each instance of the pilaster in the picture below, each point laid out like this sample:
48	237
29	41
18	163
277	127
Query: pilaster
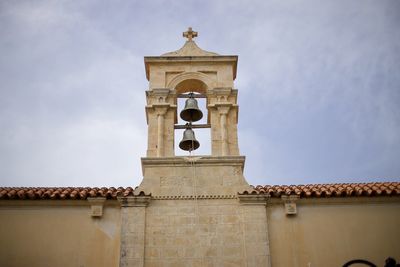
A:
160	115
255	229
223	119
133	225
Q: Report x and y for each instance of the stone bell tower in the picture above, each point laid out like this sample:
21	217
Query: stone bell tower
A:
171	76
188	210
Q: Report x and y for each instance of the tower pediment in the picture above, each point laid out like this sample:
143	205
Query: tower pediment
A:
189	49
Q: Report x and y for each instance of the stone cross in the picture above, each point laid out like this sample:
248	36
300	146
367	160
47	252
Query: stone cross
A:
190	34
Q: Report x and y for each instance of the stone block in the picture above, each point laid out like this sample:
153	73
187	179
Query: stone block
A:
256	249
207	210
169	252
152	252
230	262
208	219
134	263
135	252
228	209
233	239
228	229
233	252
187	230
212	251
255	237
186	210
229	219
154	263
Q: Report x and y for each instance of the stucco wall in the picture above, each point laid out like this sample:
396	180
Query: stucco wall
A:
58	233
324	232
332	232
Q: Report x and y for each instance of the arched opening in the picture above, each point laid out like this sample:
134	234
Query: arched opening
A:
191	85
203	135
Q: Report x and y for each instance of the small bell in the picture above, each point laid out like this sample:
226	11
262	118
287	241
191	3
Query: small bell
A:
189	142
191	112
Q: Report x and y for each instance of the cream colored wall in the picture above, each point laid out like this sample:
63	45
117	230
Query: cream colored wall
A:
51	233
217	232
327	233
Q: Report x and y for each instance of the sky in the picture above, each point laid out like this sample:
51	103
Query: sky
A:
318	82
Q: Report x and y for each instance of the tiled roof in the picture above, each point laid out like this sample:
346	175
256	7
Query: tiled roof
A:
329	190
304	191
75	193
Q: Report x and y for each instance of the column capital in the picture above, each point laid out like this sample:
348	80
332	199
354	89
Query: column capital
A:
163	92
223	109
161	109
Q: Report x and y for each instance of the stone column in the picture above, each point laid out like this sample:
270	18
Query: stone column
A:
223	111
160	130
133	223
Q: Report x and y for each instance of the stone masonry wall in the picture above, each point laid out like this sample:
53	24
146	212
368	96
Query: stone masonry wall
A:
205	232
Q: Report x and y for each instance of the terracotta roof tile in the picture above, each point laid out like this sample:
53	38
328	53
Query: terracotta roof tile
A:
329	190
304	191
78	193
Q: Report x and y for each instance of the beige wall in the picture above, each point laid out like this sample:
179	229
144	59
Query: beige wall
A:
206	232
58	233
327	233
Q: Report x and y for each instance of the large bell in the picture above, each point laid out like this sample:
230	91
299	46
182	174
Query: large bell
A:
189	142
191	112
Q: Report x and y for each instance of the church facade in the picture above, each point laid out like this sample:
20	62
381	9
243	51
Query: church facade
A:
198	210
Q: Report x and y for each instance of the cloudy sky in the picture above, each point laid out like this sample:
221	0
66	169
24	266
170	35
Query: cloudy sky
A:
318	81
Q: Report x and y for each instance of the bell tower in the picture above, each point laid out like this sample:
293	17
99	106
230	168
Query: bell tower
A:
189	210
191	73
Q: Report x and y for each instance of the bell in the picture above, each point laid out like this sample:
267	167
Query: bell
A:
189	142
191	112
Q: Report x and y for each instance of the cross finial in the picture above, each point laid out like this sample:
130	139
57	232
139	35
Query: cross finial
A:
190	34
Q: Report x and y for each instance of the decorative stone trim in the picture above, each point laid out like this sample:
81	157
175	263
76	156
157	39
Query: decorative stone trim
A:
184	161
253	199
290	204
134	201
96	206
191	197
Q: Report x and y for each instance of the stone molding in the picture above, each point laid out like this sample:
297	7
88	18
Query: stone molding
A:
134	201
149	60
253	199
199	160
191	197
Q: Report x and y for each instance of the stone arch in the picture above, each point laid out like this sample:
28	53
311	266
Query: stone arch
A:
191	81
